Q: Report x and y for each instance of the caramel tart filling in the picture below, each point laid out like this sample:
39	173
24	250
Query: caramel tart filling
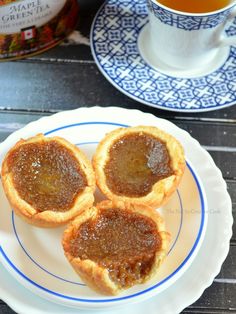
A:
136	162
46	175
123	242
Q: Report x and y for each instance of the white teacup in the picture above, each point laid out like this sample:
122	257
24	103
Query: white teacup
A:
186	43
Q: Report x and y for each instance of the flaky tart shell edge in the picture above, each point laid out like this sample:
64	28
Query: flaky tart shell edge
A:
48	218
97	277
163	189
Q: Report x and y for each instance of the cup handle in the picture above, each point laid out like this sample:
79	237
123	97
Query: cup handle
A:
225	40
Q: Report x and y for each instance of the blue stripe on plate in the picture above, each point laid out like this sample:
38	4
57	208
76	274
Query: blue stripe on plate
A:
181	223
36	263
86	123
78	283
10	263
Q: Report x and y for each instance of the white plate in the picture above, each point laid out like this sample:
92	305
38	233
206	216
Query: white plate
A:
35	256
116	33
107	117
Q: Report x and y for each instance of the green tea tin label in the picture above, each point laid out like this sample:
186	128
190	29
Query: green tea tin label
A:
28	27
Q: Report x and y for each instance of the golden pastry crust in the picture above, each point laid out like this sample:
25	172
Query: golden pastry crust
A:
97	277
48	218
162	189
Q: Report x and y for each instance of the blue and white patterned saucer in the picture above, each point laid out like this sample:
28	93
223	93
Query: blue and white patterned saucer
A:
114	41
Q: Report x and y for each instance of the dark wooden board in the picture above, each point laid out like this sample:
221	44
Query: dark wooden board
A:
36	85
12	121
217	136
66	77
5	309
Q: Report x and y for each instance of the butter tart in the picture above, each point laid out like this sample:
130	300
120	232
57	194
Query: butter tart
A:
114	246
47	181
140	164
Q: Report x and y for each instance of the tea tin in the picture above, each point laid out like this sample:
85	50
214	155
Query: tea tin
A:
31	26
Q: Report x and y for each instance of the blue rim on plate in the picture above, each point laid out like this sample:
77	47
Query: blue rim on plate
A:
27	253
114	36
110	300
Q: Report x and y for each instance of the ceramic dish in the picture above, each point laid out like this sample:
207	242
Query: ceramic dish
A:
13	231
117	31
25	250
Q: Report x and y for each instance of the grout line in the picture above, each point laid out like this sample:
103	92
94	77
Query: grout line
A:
9	109
220	148
55	60
230	181
226	280
204	310
205	119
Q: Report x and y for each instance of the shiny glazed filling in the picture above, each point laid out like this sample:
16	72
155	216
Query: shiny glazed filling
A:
121	241
136	162
46	175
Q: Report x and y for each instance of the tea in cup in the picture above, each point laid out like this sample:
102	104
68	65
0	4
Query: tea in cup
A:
187	38
195	6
